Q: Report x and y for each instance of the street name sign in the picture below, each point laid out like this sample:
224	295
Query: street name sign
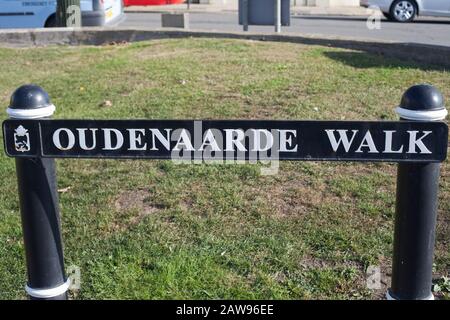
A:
393	141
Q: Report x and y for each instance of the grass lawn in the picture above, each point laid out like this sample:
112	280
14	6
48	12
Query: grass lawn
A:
158	230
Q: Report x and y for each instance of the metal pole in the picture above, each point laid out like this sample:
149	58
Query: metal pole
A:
188	4
39	204
277	16
416	208
245	11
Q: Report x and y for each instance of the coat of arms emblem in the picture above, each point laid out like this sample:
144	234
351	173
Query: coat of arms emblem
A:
21	139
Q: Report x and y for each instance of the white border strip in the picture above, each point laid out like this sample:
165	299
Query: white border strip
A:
31	113
431	115
48	293
389	297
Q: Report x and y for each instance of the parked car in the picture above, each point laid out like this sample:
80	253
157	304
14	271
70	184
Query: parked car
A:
407	10
41	13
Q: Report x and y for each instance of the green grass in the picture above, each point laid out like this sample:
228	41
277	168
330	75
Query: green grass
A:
158	230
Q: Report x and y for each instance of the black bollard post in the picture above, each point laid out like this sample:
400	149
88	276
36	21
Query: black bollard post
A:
416	208
39	204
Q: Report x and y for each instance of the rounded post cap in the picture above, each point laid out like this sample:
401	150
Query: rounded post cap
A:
422	102
29	102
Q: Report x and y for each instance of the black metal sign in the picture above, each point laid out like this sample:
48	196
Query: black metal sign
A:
228	140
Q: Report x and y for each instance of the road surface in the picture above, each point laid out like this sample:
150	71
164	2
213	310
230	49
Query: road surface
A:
424	30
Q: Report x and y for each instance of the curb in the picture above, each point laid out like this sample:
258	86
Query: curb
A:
293	12
430	54
180	11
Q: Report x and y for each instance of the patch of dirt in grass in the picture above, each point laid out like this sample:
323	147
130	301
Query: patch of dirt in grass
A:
361	279
133	207
186	204
313	190
297	196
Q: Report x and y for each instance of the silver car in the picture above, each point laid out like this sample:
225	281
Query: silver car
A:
407	10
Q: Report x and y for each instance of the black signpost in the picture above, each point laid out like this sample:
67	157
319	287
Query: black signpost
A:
38	198
418	143
416	205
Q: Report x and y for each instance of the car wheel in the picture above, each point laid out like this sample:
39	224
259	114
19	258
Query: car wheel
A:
51	22
403	10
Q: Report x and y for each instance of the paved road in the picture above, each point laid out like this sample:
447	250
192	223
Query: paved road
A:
425	30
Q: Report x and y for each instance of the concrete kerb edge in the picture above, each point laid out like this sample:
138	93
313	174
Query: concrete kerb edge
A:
436	55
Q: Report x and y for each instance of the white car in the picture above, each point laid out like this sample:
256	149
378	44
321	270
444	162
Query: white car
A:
41	13
407	10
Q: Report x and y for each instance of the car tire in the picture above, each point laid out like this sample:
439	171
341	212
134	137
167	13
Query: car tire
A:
51	22
403	10
387	16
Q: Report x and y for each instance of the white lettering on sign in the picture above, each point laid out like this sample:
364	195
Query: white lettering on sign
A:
82	136
286	142
136	139
57	139
388	142
118	136
261	137
234	138
185	141
343	139
210	140
367	143
413	142
164	140
239	140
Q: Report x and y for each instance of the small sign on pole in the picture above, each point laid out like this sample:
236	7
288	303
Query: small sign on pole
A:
264	13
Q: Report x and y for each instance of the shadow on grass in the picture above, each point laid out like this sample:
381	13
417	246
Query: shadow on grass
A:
422	56
363	60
